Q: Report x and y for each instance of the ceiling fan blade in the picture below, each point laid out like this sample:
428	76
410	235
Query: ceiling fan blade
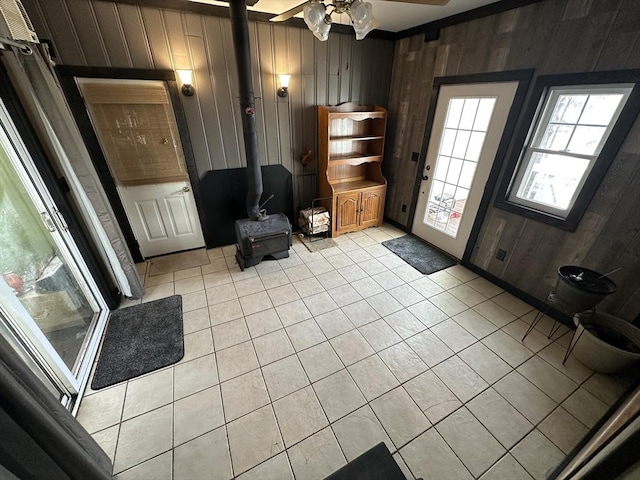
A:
422	2
288	14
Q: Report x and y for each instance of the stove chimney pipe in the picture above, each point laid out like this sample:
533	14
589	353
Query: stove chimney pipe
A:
240	30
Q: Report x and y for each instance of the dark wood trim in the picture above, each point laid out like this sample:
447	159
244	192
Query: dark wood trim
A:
67	75
398	225
525	297
431	29
608	154
189	156
524	78
114	73
76	104
423	154
55	188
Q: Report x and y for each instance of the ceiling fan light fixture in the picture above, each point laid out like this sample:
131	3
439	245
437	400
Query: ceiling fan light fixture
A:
317	20
361	14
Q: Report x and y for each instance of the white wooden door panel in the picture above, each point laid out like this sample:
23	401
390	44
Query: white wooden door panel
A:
178	210
164	217
148	213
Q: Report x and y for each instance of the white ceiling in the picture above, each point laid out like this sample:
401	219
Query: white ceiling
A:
392	16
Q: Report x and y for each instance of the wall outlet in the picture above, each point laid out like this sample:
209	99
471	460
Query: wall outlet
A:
501	254
404	207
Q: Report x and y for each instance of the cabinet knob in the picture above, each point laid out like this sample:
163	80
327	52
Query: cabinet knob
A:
425	177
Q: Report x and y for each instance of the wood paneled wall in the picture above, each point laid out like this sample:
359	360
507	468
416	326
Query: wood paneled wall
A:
554	36
100	33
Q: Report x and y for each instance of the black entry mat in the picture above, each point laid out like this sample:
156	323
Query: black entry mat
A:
374	464
419	254
139	340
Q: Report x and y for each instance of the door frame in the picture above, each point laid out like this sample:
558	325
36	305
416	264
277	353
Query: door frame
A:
46	192
67	77
523	77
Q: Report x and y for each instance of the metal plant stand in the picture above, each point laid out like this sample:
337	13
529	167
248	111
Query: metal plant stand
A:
554	300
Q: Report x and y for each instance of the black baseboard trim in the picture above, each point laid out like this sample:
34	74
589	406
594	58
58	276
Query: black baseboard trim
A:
561	317
398	225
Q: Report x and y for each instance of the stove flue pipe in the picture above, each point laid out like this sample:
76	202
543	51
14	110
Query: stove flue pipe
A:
240	30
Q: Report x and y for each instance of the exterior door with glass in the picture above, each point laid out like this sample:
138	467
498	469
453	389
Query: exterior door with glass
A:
467	128
49	304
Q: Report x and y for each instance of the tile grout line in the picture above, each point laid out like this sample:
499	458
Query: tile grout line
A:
579	384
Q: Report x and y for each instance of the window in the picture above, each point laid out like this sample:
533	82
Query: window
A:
573	134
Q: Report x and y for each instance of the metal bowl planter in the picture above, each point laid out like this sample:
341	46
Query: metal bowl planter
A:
580	288
605	343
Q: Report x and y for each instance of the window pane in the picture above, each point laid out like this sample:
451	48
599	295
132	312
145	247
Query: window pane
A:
462	140
600	109
586	140
448	139
454	170
568	108
461	196
466	176
475	146
469	113
485	109
556	137
552	179
454	112
442	165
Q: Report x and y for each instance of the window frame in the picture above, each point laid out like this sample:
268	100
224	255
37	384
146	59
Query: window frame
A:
534	114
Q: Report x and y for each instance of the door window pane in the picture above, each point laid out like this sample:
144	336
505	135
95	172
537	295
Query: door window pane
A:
462	141
455	167
483	116
454	112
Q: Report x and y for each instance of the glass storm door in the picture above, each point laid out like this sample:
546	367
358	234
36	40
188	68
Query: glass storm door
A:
49	304
467	128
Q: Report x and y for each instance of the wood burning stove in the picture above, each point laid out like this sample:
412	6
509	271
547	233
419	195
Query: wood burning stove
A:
259	239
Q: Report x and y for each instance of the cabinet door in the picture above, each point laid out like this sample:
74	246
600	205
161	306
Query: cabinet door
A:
371	207
346	213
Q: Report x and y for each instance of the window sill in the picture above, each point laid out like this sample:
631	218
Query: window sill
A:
569	224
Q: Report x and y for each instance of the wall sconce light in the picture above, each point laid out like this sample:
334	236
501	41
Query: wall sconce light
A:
185	78
283	91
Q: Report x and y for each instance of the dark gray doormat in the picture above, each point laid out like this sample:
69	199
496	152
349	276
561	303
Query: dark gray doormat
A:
139	340
374	464
419	254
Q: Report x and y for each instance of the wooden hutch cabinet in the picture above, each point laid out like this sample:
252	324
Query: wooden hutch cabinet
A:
351	146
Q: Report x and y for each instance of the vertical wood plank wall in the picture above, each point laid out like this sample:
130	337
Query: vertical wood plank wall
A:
100	33
555	36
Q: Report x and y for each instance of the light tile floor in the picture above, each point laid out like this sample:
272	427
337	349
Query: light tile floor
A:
294	367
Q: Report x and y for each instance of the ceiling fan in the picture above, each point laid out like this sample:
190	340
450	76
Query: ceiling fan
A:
317	15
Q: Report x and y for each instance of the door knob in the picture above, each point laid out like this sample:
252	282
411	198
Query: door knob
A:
186	189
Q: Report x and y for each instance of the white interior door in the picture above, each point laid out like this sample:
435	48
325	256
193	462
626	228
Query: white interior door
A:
467	128
164	217
137	130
